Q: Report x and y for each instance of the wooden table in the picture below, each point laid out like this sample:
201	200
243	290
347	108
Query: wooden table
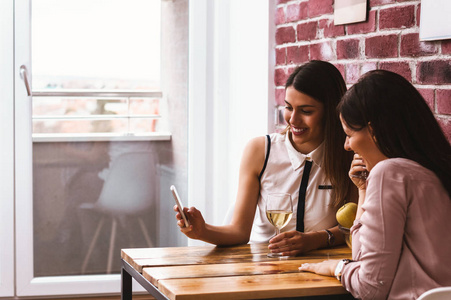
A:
239	272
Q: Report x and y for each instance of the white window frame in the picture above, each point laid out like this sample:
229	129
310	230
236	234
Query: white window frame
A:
6	150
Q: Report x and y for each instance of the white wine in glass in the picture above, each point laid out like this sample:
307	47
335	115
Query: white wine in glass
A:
279	210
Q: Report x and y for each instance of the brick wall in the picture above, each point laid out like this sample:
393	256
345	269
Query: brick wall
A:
388	39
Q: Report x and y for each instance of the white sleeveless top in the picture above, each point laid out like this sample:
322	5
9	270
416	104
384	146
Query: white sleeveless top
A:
283	174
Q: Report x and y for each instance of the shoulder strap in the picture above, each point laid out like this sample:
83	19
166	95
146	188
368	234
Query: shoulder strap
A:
268	149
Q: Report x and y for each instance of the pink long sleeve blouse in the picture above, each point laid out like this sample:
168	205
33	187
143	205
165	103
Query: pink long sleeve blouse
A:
402	243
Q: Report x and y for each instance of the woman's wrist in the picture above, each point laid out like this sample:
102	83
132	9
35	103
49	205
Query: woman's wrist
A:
338	270
330	238
316	240
362	193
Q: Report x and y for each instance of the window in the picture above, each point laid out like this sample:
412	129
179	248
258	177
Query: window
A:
87	122
96	69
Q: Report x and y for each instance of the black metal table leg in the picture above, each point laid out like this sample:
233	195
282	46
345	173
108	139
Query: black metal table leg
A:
128	272
126	285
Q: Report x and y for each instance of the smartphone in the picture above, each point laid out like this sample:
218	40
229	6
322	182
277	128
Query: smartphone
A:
179	204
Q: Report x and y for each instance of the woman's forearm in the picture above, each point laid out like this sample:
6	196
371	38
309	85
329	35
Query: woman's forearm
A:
320	239
226	235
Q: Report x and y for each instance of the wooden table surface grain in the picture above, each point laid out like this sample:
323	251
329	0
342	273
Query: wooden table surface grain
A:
239	272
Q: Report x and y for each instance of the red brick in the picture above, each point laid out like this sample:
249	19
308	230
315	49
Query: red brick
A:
320	7
280	77
280	96
374	3
363	27
434	72
352	73
446	47
303	13
445	124
397	17
280	16
418	15
307	31
411	46
329	29
381	46
296	12
285	35
292	12
341	68
347	49
444	102
322	51
429	96
289	71
368	66
297	54
401	68
281	56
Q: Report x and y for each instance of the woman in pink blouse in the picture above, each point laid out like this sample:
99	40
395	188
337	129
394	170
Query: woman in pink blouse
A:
401	241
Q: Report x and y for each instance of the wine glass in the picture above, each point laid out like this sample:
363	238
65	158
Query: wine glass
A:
279	210
364	174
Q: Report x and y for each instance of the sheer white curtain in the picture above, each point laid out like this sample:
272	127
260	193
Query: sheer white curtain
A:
231	95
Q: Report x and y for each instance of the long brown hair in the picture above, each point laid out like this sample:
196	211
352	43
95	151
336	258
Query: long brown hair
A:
323	82
401	121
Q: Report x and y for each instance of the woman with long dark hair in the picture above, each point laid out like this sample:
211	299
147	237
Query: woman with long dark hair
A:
277	163
400	238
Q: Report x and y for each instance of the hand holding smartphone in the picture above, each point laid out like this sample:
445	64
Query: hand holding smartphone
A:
179	204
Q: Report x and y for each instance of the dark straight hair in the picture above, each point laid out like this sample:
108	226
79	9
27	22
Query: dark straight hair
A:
401	121
323	82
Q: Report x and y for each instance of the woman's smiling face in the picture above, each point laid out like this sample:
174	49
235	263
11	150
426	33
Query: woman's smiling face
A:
362	143
304	115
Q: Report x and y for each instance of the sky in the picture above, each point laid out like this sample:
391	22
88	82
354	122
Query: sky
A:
96	38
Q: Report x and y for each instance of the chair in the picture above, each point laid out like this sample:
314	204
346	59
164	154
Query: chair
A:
129	190
441	293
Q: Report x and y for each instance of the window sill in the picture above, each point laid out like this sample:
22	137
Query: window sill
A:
100	137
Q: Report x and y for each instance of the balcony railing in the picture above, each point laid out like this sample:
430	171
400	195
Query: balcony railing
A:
123	98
